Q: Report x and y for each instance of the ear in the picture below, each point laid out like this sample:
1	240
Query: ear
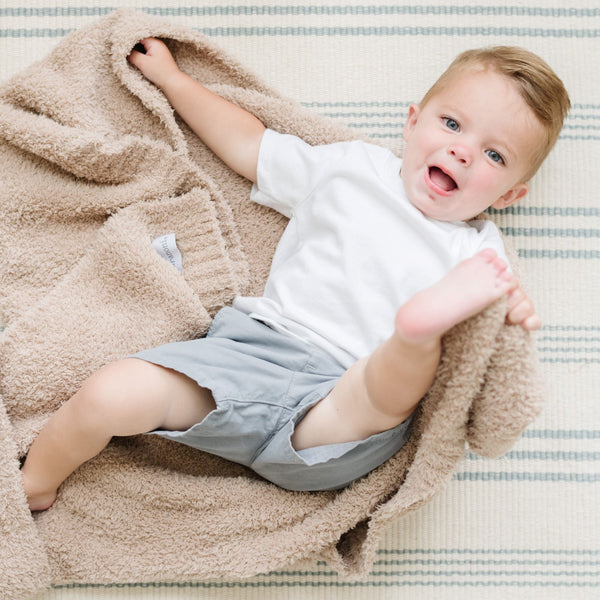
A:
513	195
411	121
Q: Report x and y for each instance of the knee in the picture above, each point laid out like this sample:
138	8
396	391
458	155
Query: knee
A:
98	392
112	394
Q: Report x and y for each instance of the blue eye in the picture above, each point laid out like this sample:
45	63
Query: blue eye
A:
494	156
451	124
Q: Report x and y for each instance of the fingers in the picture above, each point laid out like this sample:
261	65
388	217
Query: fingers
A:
153	45
133	58
520	310
136	54
532	323
155	61
138	49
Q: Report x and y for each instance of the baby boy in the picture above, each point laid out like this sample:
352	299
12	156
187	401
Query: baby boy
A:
314	384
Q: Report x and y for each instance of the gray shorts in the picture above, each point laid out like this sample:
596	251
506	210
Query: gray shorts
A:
263	383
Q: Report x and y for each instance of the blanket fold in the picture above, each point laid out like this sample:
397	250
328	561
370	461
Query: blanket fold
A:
94	166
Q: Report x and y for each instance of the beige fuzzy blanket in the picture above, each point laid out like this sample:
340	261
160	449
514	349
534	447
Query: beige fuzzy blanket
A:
94	165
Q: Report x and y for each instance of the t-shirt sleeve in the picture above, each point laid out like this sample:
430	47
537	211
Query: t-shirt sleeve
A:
288	170
488	236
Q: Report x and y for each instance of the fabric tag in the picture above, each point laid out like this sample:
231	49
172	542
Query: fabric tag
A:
166	246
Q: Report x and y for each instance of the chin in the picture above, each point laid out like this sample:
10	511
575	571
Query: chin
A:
441	215
430	210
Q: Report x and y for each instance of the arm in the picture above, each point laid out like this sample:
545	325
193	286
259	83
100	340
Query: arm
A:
231	132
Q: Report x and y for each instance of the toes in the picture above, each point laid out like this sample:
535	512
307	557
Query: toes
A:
489	254
500	265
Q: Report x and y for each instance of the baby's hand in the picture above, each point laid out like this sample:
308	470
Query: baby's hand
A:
521	310
157	64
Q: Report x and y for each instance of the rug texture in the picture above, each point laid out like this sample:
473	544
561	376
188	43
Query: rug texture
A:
94	166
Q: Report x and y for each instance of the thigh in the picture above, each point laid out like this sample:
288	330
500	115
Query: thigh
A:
139	396
346	414
335	419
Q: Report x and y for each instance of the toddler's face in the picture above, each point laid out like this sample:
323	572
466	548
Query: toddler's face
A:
469	147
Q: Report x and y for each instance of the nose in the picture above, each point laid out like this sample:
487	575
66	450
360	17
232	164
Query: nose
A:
461	153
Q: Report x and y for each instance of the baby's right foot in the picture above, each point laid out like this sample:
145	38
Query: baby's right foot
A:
38	500
470	287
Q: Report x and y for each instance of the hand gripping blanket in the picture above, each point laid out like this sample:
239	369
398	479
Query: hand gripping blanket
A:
94	166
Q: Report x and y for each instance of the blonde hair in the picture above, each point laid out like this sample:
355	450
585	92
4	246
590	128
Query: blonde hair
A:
536	82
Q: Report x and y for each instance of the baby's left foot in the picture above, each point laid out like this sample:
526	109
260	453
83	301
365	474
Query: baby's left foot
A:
38	500
470	287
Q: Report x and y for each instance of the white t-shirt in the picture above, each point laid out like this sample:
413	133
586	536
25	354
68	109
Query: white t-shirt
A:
355	248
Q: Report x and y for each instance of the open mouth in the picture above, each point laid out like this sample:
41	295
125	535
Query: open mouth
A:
442	180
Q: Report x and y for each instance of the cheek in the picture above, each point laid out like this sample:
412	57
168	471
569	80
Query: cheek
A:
486	189
419	142
413	156
488	180
481	183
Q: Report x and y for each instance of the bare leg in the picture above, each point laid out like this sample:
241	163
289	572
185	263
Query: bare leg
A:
380	391
124	398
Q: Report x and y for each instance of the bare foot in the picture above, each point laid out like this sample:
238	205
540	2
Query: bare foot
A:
38	500
470	287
